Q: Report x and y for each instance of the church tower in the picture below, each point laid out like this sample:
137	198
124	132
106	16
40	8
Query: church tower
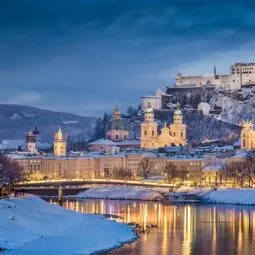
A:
178	128
248	136
60	144
117	128
31	142
149	129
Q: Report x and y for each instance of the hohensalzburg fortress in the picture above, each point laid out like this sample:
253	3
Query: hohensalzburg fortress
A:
241	75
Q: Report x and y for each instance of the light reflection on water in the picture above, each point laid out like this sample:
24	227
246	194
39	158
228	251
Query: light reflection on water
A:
187	229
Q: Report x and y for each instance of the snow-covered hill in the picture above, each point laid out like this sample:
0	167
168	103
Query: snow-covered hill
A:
16	120
237	106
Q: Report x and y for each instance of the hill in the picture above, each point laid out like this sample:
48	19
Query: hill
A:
17	120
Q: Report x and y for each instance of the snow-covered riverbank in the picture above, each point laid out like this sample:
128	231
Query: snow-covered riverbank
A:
222	196
31	226
115	192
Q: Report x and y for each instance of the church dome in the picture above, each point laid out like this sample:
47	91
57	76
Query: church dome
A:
116	122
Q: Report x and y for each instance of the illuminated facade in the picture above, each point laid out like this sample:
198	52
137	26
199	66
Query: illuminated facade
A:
175	134
248	136
60	144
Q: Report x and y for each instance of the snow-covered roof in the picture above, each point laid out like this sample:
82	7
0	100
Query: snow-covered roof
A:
242	154
103	141
213	167
13	143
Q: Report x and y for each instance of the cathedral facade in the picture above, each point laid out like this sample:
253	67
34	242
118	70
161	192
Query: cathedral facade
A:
173	135
248	136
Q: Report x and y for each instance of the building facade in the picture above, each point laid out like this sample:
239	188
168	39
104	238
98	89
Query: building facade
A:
240	75
154	101
248	136
175	134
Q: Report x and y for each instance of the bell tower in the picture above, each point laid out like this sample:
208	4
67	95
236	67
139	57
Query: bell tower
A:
178	129
60	144
149	129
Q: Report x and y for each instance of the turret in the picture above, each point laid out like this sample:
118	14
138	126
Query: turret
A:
60	144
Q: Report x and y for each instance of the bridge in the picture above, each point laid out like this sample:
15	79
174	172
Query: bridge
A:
87	183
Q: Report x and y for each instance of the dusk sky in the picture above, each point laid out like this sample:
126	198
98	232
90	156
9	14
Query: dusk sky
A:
83	56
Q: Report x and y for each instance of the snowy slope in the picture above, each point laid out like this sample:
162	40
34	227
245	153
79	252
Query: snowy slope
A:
237	107
32	226
120	193
231	196
222	196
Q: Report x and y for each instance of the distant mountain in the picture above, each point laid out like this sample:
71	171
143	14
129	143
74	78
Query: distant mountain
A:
17	120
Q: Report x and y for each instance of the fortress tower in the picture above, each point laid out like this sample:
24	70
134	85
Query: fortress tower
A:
60	144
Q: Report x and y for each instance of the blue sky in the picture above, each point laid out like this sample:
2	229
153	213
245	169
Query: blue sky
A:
83	56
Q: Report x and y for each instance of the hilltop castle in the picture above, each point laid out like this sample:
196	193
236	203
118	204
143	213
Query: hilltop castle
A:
241	75
175	134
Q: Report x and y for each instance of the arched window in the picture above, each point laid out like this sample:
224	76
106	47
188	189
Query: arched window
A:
145	133
109	136
125	137
244	144
117	137
181	134
152	132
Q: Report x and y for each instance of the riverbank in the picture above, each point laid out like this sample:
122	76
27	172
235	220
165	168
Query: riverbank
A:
221	196
122	193
32	226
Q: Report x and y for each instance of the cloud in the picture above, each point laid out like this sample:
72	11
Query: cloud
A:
90	54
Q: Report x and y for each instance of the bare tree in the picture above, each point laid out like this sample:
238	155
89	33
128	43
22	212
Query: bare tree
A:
10	171
145	168
241	172
170	171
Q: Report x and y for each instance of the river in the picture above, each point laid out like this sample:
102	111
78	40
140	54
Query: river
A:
184	229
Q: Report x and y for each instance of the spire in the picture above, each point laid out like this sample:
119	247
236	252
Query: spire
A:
178	106
214	70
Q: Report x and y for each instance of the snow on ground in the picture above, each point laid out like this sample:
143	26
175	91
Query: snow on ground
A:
31	226
230	196
222	195
113	192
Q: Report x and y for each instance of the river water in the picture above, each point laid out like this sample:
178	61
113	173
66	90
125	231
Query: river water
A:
184	229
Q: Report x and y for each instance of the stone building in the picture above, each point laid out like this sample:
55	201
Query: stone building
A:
60	142
240	75
248	136
154	101
117	128
175	134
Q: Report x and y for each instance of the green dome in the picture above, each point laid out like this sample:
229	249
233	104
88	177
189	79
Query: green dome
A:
117	124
